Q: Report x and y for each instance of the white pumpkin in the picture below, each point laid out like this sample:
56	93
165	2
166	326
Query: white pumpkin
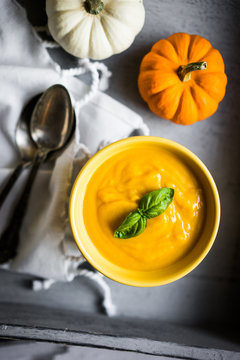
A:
93	28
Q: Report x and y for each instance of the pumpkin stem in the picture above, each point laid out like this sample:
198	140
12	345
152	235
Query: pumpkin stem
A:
184	71
93	6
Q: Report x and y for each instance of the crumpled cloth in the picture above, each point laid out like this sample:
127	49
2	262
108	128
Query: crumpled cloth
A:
47	248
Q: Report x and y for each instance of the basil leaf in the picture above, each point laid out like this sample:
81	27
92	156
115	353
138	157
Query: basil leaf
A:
133	225
156	202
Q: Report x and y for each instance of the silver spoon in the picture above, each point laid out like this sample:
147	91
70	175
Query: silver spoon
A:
51	125
25	145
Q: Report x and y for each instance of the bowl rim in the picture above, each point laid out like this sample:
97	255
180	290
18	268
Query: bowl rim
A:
190	155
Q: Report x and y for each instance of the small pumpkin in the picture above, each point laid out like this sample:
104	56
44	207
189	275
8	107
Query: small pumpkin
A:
182	78
95	29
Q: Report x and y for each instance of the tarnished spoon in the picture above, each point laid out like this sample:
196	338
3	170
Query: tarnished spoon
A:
25	145
51	126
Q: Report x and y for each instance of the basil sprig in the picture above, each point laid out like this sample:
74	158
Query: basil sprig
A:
133	225
150	205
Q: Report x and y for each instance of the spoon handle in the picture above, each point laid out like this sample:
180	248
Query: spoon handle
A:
10	237
11	181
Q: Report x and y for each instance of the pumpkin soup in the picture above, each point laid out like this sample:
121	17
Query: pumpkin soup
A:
115	190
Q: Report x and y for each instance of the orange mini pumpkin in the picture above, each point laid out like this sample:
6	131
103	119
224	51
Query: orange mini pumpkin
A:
182	78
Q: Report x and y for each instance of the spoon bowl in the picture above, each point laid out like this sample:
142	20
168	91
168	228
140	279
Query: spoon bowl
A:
25	145
52	119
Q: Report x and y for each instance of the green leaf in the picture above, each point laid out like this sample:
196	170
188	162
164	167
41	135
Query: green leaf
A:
133	225
150	205
156	202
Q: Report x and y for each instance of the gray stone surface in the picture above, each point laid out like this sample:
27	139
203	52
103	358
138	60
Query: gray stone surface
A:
209	295
43	351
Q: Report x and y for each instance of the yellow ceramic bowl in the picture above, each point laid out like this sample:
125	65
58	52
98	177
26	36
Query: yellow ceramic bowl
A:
179	268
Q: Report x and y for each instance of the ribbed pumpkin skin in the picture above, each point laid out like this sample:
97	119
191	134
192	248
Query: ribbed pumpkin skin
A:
173	99
99	36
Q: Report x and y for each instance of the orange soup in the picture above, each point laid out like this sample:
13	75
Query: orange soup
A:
114	191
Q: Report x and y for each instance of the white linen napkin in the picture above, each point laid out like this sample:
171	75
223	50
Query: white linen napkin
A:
46	245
